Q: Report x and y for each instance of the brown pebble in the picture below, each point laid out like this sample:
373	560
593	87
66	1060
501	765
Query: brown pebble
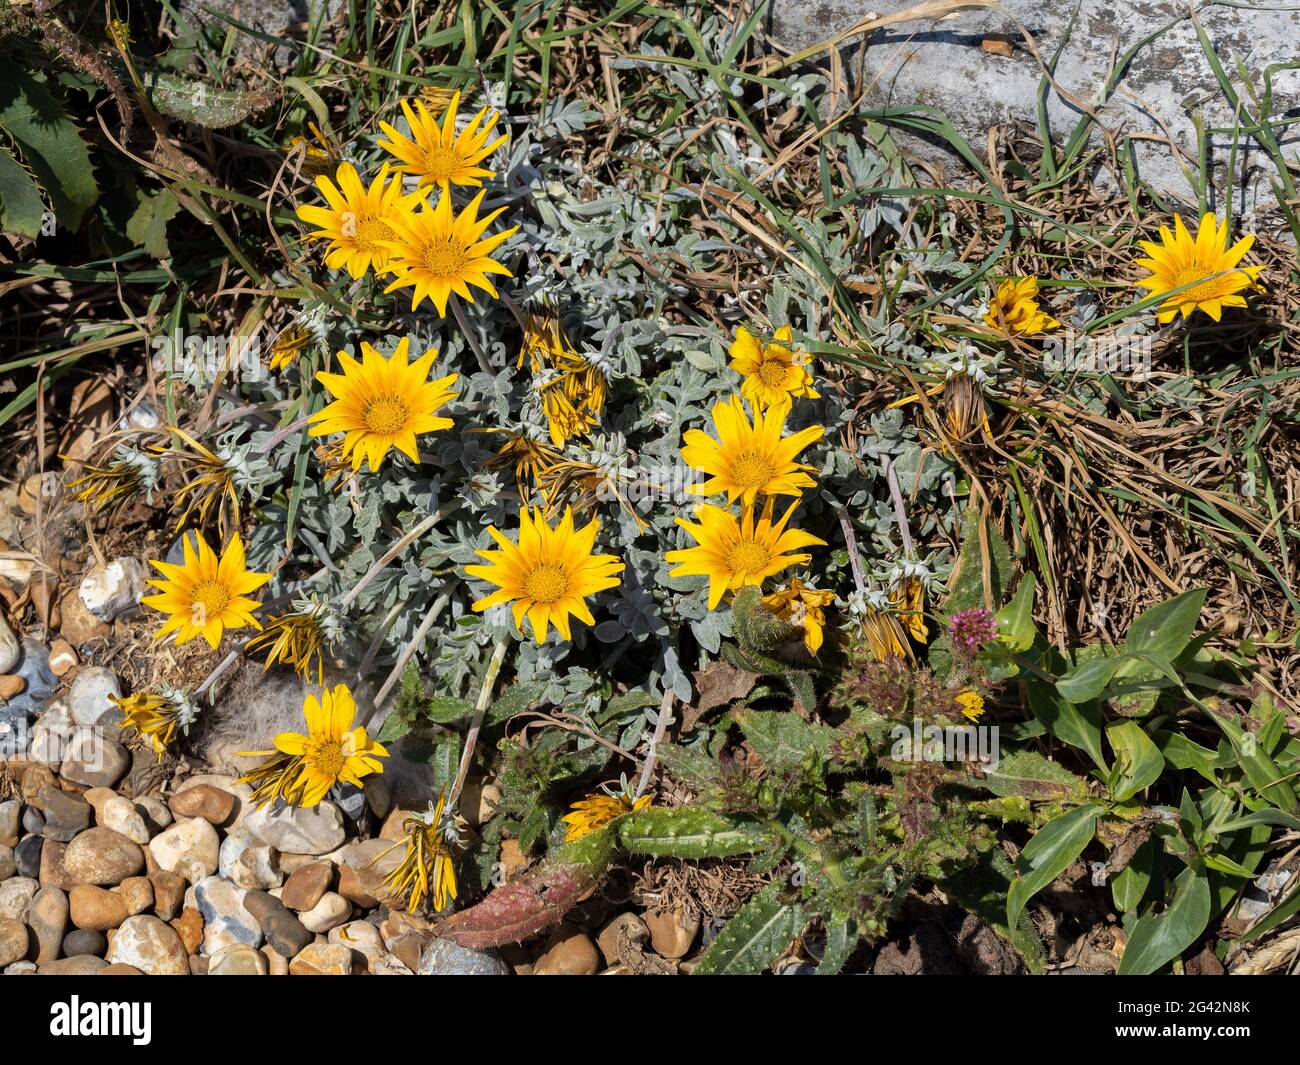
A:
63	658
569	952
306	885
168	893
10	685
119	969
189	926
203	800
997	45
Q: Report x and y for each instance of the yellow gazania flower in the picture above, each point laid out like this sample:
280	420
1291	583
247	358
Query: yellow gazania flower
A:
548	575
107	489
908	598
443	157
529	458
296	640
970	703
288	346
428	860
1179	260
734	554
205	596
773	373
332	750
382	403
885	636
435	253
359	222
1015	309
748	460
597	810
155	718
211	481
802	607
572	399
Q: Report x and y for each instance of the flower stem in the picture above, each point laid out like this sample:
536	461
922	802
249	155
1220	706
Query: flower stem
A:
399	545
480	708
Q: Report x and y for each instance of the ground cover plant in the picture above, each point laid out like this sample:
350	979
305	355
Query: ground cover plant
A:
657	490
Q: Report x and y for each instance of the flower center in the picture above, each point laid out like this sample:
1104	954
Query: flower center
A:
210	601
772	373
441	163
546	584
752	470
369	234
747	556
1209	287
445	257
387	416
326	755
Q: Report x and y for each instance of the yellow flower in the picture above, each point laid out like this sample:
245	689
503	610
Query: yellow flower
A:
970	703
1015	308
205	596
885	635
288	346
597	810
435	253
211	482
156	717
548	575
382	403
773	373
1179	260
428	861
441	156
734	554
296	639
802	607
908	597
529	458
359	222
573	398
748	460
332	750
107	489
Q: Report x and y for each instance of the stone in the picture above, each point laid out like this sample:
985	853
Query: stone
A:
190	849
569	952
112	590
672	932
363	867
52	873
11	685
78	625
33	821
48	918
10	649
225	918
38	682
10	821
15	941
513	860
155	812
119	814
206	801
332	910
168	892
89	698
102	856
942	64
190	927
479	800
66	814
97	909
151	945
63	658
625	934
27	857
407	949
388	965
84	941
238	959
322	959
119	970
20	968
306	885
8	863
51	736
138	893
379	796
442	957
362	938
276	963
284	932
81	965
16	896
33	780
249	864
297	829
242	793
352	888
94	760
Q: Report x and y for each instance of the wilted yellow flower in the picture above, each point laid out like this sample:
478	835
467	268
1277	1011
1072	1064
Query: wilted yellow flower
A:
735	554
296	639
1206	263
970	703
527	457
382	403
750	459
597	810
288	346
428	867
156	717
211	480
439	155
107	489
1015	308
802	607
908	598
359	223
773	373
206	595
548	575
573	396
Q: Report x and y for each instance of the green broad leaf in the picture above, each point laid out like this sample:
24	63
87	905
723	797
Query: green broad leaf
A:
1280	818
1129	886
685	832
1138	761
841	939
1182	753
447	710
21	209
754	938
1016	620
520	696
1089	680
1158	939
978	553
1079	725
1048	855
1165	630
147	227
784	740
1029	774
50	144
